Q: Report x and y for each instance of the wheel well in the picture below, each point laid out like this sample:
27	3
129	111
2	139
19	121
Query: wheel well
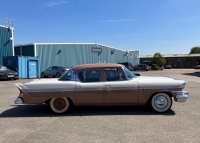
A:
168	93
70	100
48	101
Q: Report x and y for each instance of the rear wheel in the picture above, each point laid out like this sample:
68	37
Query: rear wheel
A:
43	75
161	102
60	104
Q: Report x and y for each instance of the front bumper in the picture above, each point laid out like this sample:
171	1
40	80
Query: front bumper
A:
181	96
9	77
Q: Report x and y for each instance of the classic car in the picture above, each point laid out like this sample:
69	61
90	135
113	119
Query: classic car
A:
102	85
6	73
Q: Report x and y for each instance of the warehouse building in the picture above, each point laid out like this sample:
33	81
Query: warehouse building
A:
72	54
176	60
6	42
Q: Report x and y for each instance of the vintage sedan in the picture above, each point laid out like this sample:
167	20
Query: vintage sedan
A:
102	85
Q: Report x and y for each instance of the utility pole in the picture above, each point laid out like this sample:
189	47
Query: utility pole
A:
11	27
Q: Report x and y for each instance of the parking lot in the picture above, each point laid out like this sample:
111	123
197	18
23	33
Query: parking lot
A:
37	123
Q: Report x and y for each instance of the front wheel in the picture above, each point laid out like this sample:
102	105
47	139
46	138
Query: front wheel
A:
60	104
58	75
161	102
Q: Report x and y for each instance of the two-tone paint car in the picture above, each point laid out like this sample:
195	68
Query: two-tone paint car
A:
102	85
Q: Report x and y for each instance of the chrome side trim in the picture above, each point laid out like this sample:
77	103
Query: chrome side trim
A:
181	96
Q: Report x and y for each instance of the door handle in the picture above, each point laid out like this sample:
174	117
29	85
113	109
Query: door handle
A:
107	86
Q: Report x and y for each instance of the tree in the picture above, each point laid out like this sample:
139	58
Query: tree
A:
159	61
195	50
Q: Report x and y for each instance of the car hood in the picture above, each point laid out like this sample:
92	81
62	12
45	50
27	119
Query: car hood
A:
7	71
158	82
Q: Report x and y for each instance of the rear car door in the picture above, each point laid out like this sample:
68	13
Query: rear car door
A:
89	88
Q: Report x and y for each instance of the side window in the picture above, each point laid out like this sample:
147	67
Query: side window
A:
55	68
50	68
89	76
114	74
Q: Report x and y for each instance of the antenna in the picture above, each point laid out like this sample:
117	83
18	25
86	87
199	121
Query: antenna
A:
10	23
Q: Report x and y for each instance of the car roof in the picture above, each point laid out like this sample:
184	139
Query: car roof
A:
92	66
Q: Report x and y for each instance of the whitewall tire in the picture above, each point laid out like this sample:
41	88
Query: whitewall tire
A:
161	102
59	104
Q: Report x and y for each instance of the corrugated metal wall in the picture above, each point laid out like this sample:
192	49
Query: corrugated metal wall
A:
69	55
5	43
75	54
134	57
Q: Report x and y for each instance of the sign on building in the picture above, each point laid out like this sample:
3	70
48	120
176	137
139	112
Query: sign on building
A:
97	50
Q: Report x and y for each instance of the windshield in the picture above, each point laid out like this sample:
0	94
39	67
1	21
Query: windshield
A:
2	68
129	74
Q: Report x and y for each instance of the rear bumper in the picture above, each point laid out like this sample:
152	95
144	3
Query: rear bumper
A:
18	100
181	96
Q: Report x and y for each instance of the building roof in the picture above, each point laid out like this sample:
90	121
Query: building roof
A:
71	44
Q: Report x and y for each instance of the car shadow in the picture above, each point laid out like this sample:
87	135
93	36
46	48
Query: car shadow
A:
45	111
193	74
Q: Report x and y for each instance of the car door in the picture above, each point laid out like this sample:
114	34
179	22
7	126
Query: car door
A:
48	71
89	88
54	71
119	90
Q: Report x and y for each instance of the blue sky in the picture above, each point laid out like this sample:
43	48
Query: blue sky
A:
165	26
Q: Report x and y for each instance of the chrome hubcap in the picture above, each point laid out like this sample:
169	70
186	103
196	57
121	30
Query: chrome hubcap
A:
161	102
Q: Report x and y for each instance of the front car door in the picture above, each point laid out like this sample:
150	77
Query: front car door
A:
89	87
119	89
48	71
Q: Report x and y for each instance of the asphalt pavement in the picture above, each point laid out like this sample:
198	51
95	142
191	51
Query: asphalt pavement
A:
38	124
